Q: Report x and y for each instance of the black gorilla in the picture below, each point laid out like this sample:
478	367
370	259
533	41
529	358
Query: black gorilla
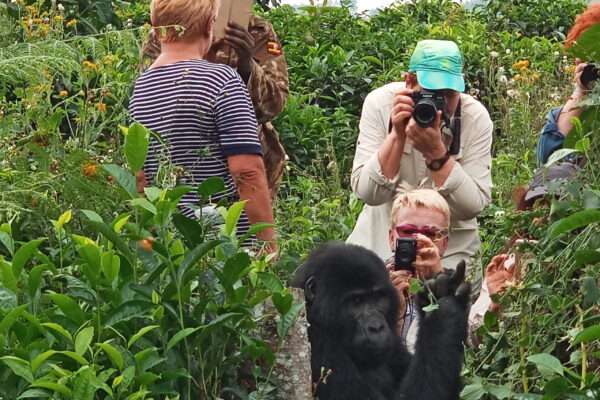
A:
352	308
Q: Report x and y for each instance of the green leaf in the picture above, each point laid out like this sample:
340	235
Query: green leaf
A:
63	219
546	363
23	255
575	221
8	300
124	178
114	238
587	335
587	257
34	279
128	310
179	336
271	281
58	328
10	318
34	394
39	360
586	46
83	340
211	186
19	366
192	257
8	242
111	265
7	276
235	265
189	228
473	391
69	307
144	204
282	302
92	215
591	294
141	333
113	353
86	385
75	356
286	322
255	228
136	146
233	215
91	255
558	155
372	59
56	387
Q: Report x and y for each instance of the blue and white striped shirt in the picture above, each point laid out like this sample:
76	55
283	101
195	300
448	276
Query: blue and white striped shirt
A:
203	114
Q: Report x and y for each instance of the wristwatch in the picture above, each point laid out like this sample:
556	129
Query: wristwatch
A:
437	163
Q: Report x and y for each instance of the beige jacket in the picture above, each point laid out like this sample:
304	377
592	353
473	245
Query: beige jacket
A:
467	189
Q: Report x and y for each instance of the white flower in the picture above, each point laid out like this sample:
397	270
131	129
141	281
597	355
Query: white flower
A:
556	54
508	51
494	54
61	7
499	213
500	70
109	27
511	93
503	79
13	1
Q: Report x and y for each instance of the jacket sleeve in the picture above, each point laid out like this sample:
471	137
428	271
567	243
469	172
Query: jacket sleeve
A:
551	139
268	84
367	180
468	187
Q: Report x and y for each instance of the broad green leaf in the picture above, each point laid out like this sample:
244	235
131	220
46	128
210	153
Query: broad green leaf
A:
141	333
93	264
282	302
120	222
19	366
192	257
140	394
589	334
152	193
113	237
7	241
23	255
235	265
145	204
271	281
34	394
587	257
7	276
136	146
56	387
124	178
34	279
113	353
372	59
586	46
179	336
546	363
69	307
575	221
75	356
10	318
82	240
86	385
558	155
473	391
189	228
590	290
111	265
8	300
211	186
36	362
58	328
255	228
128	310
92	215
83	340
63	219
286	322
233	215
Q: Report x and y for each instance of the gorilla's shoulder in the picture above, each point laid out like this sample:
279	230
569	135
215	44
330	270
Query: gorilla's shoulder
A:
334	261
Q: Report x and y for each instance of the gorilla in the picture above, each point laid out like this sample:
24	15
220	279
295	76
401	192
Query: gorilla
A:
352	308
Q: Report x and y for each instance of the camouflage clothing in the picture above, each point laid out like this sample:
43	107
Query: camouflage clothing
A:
268	87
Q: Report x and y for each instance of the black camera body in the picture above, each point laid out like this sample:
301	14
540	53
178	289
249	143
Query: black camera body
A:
405	255
427	103
589	74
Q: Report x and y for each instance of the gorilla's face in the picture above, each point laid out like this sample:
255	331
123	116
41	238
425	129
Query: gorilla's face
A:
365	316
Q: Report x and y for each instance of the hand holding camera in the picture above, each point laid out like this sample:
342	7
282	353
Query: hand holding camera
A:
419	255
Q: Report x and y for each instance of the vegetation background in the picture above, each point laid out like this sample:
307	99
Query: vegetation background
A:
108	295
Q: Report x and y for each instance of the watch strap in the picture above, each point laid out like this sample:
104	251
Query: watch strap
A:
437	163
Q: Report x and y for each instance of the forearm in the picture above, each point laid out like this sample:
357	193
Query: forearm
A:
569	111
467	195
370	185
390	155
252	186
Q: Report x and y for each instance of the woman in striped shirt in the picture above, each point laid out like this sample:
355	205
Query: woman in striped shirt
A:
203	114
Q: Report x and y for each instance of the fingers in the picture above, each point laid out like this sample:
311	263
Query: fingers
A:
496	262
463	293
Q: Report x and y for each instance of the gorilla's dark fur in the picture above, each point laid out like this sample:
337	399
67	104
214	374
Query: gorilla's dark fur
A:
352	309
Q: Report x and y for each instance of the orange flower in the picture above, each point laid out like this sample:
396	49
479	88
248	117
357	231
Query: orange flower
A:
89	64
90	169
535	75
71	23
101	107
63	93
146	244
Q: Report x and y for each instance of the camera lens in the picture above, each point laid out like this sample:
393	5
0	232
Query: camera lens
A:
424	113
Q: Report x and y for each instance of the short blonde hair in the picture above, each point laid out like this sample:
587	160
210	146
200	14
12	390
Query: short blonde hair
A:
192	15
420	198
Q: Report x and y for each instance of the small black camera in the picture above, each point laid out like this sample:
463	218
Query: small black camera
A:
405	255
589	75
427	103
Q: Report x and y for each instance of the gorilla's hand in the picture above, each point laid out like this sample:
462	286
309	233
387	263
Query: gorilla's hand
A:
449	290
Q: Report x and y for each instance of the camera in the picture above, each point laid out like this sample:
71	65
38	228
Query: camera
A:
589	74
427	103
405	255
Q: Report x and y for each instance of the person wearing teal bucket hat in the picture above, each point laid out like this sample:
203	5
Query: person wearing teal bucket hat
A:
425	132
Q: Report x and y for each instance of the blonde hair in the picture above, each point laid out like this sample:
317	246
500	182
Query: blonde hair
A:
420	198
192	15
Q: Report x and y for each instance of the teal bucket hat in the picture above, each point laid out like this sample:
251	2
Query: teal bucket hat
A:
438	65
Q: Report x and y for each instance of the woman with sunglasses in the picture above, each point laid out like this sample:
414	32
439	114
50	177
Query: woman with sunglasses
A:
424	216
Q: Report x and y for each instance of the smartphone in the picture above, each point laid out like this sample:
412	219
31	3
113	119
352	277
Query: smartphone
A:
237	11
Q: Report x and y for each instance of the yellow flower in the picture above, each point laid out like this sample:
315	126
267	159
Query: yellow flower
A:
37	20
90	169
524	68
89	64
31	8
109	59
71	23
147	25
58	18
101	107
535	75
63	93
517	77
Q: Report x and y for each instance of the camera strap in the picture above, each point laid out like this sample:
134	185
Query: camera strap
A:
455	128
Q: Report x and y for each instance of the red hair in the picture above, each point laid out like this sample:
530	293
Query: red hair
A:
589	17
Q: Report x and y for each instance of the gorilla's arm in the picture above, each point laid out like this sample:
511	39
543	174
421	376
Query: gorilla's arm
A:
434	373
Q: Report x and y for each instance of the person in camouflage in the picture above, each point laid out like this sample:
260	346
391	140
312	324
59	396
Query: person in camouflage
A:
257	55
